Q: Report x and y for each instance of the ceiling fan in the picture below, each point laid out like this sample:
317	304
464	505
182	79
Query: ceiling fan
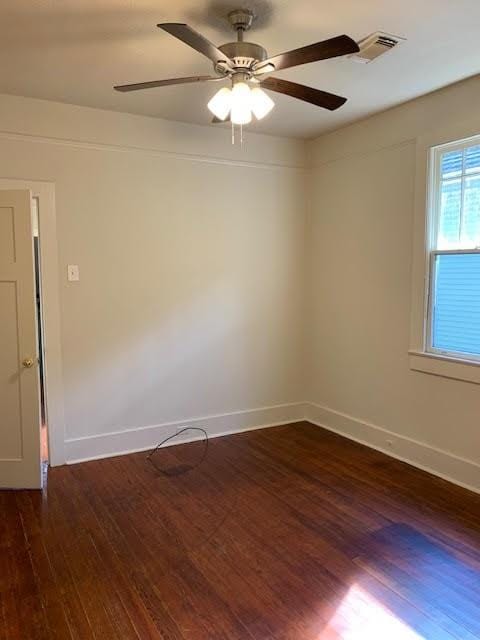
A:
247	66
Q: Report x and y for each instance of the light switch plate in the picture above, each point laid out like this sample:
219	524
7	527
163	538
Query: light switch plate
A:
73	273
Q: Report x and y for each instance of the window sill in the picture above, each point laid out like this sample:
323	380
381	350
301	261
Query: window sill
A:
445	366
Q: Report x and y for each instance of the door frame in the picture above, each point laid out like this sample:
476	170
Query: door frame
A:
50	288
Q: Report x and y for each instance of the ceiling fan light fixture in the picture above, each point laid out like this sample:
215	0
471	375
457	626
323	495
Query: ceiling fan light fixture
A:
241	104
221	103
261	104
245	64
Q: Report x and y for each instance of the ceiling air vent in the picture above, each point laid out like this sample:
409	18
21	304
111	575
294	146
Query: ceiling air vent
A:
374	46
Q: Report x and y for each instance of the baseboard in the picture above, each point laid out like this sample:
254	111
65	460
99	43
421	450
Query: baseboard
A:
448	466
118	443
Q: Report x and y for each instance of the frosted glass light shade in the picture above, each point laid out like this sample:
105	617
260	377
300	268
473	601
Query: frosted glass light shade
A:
241	111
240	102
260	103
221	103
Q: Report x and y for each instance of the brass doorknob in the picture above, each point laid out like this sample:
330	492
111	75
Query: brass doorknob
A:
28	363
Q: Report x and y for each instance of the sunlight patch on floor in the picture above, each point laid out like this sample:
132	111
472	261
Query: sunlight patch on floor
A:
362	617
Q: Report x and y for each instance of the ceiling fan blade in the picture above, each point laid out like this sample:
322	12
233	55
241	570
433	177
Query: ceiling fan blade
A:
319	98
338	46
163	83
195	40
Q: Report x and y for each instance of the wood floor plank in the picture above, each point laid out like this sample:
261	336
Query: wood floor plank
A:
289	533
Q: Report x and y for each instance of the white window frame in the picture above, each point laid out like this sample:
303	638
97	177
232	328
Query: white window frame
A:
422	356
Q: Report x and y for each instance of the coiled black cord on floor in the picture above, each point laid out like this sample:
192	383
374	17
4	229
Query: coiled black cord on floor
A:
185	468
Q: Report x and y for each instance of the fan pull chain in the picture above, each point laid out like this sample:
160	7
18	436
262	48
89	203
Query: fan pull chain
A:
241	134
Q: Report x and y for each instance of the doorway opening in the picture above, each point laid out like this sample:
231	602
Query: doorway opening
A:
40	330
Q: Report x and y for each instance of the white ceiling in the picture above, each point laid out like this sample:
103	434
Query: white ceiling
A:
75	50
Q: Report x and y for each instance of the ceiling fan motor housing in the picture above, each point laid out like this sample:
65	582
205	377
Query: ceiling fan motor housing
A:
243	54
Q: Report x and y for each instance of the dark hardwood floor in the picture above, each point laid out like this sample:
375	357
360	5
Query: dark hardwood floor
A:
285	533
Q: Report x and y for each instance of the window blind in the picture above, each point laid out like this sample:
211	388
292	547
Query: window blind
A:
459	215
456	303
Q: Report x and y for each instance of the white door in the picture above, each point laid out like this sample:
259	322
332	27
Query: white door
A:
20	464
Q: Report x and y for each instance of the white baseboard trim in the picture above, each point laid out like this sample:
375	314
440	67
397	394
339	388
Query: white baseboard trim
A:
119	443
448	466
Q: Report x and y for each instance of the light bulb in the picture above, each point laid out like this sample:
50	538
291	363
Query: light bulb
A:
221	103
260	103
241	111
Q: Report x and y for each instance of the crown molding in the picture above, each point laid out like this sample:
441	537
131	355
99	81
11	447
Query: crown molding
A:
188	157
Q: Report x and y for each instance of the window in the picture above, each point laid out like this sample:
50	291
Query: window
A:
453	243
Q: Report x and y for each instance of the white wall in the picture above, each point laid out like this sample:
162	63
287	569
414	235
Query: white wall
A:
191	256
361	217
203	280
